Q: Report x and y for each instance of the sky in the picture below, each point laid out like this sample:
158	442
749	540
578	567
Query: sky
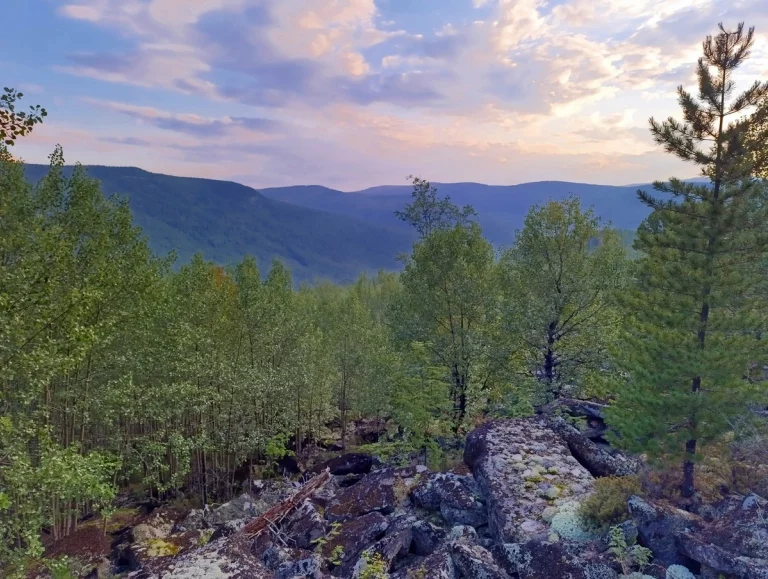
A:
356	93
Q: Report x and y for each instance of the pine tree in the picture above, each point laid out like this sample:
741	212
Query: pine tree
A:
696	310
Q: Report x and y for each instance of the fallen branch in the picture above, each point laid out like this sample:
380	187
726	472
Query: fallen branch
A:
281	510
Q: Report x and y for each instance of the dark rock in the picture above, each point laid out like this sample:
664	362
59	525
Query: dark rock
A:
456	496
475	562
348	480
381	491
544	560
389	548
426	537
463	534
305	525
350	463
347	540
228	528
289	464
734	545
439	565
301	564
596	459
522	467
658	527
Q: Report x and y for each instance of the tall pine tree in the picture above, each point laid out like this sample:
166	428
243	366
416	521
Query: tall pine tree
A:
696	311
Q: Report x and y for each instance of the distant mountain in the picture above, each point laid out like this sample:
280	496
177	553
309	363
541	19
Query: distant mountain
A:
501	209
320	232
226	220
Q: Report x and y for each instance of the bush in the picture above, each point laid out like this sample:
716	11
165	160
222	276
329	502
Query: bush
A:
608	505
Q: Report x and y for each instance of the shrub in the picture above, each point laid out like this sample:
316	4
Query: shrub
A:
607	506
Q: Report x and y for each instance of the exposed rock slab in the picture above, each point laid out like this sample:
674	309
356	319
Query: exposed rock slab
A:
545	560
595	458
381	491
457	497
522	467
658	528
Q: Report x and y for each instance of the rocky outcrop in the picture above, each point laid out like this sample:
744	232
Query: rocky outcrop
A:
457	498
544	560
734	545
658	527
382	491
595	458
521	468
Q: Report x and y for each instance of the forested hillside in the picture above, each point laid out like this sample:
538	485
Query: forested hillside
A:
127	383
226	221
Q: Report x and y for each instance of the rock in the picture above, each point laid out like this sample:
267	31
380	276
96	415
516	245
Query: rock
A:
228	528
388	549
597	460
222	559
475	562
347	540
194	521
243	507
463	534
734	545
381	491
426	538
300	564
158	526
289	464
658	526
544	560
439	565
305	525
509	459
350	463
455	496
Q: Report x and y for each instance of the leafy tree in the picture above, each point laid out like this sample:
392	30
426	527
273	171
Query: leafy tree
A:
13	123
448	304
691	331
426	213
558	295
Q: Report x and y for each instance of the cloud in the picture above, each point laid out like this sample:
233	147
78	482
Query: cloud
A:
330	91
190	124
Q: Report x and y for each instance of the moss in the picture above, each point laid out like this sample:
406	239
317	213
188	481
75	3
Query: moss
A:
161	548
569	525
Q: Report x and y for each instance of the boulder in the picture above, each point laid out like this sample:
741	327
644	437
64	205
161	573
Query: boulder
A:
426	537
305	525
223	559
457	497
242	507
597	459
734	545
350	463
658	527
475	562
381	491
537	559
439	565
522	467
389	548
345	541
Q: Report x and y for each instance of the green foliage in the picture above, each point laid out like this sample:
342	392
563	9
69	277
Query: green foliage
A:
13	123
628	556
374	566
426	213
559	292
337	555
448	304
607	506
693	319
